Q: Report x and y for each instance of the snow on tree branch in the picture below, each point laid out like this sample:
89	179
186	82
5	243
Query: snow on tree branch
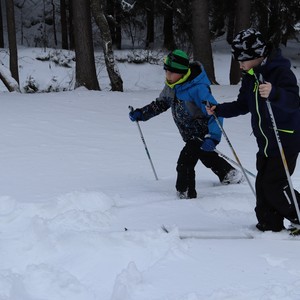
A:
126	6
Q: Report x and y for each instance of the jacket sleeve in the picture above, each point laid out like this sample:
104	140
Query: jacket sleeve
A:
234	108
214	130
285	91
204	94
160	105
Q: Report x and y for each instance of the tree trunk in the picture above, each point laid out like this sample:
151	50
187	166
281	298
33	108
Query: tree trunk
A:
71	27
110	13
150	23
169	42
230	21
64	24
275	25
112	69
118	25
84	51
22	22
11	31
45	36
1	28
201	37
54	22
264	17
242	21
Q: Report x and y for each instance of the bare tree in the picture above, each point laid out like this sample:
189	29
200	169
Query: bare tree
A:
242	21
11	31
201	37
84	50
112	69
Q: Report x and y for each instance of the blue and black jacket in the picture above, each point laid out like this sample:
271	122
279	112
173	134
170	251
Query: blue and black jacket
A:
186	101
285	103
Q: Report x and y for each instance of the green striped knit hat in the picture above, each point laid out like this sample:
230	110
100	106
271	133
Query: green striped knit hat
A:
177	61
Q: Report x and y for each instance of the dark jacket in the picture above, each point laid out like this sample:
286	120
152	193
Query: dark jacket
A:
188	111
285	103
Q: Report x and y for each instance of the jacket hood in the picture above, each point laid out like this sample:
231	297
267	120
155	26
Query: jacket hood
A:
198	76
274	60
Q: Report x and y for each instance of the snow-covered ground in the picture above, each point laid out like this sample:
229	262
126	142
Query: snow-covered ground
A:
81	212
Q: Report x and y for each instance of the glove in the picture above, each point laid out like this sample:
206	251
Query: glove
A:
136	115
208	145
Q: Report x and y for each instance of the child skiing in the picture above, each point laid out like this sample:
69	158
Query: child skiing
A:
268	76
186	86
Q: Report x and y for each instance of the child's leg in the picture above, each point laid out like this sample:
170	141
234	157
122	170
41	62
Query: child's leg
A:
274	200
216	163
186	168
268	218
277	189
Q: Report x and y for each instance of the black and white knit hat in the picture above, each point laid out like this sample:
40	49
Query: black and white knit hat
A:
248	44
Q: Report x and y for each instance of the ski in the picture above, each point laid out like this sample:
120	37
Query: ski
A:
291	235
209	234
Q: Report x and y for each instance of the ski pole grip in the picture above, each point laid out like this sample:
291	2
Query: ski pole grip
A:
261	79
130	108
208	104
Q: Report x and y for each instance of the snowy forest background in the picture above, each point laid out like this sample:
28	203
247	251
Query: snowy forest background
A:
93	32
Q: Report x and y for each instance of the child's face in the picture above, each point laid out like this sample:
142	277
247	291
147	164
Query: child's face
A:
172	77
249	64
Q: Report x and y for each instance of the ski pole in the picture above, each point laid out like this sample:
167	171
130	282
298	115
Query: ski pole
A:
232	149
233	162
283	158
144	142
